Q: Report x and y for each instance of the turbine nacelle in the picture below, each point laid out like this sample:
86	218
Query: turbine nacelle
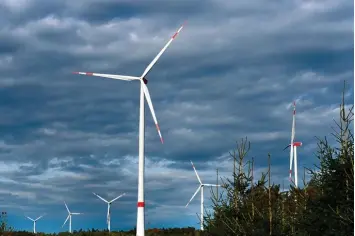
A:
295	144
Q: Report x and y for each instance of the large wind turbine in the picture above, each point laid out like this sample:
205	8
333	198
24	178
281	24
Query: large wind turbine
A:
200	187
34	222
69	217
293	147
108	208
143	93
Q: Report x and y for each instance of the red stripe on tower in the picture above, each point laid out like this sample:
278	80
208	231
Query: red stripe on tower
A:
140	204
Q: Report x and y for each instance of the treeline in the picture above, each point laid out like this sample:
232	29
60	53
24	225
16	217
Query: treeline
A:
245	206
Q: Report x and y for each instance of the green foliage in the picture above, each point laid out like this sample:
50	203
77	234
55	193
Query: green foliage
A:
331	211
5	229
324	206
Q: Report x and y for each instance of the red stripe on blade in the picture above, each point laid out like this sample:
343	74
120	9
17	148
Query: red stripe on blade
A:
140	204
89	73
175	35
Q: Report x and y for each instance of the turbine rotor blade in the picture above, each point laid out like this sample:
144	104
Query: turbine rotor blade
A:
65	220
66	207
150	104
117	198
30	218
212	185
287	146
110	76
149	67
292	140
100	197
193	195
39	217
76	213
198	177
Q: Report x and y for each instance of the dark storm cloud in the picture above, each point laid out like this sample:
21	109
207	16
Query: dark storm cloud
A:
232	72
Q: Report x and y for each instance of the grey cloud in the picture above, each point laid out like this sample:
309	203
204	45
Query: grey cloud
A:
232	72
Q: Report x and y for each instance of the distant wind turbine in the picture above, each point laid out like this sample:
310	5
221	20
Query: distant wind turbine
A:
108	208
293	147
144	92
200	187
34	222
69	217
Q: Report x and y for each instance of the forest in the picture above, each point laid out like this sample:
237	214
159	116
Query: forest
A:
324	205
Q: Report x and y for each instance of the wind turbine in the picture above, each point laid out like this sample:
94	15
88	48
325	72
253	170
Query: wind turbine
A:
34	222
108	208
143	93
200	187
69	217
293	147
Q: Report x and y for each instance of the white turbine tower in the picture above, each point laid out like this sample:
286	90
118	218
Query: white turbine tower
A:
108	208
293	148
143	93
69	217
200	187
34	222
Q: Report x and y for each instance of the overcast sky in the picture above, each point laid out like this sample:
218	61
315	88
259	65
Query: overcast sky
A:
232	72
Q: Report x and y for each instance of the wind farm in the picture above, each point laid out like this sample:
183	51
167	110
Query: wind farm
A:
222	81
